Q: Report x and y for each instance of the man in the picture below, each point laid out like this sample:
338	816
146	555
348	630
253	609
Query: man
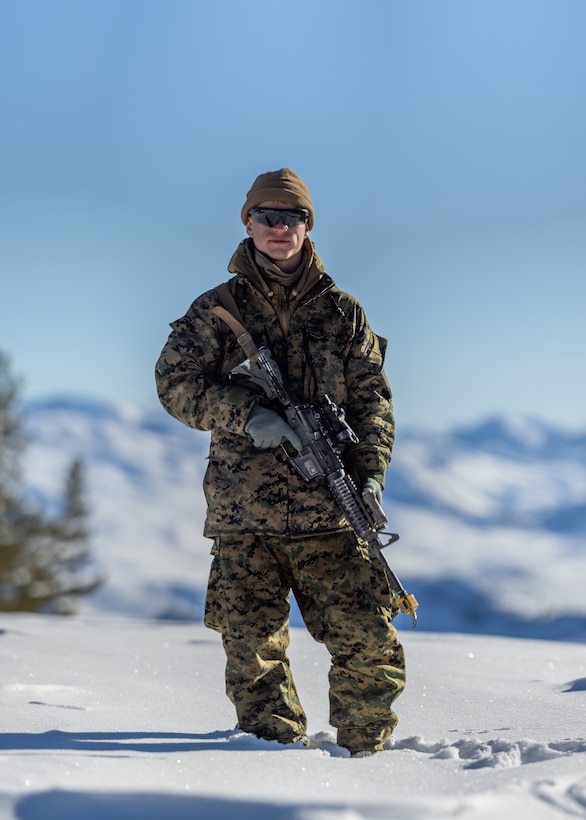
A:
272	531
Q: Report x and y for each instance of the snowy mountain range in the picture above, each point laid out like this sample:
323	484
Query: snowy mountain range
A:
492	517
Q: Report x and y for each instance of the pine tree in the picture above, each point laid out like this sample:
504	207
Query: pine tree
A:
45	561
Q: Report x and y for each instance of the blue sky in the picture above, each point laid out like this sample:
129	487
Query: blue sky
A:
442	140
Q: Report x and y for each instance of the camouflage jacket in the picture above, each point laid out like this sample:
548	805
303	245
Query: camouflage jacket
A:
330	348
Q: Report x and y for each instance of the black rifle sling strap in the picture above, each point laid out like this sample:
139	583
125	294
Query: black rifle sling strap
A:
230	314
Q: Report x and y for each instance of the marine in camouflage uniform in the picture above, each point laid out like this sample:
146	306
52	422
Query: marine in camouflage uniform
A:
273	532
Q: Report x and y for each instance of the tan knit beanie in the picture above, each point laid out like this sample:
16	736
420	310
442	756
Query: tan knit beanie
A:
283	186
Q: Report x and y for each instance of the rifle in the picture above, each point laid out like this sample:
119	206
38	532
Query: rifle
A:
324	432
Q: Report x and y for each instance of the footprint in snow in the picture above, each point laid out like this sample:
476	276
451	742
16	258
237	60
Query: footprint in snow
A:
499	753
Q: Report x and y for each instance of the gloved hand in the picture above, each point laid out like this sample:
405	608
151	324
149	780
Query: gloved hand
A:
267	429
373	486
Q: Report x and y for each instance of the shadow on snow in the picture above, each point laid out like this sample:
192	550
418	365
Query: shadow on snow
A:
157	742
68	805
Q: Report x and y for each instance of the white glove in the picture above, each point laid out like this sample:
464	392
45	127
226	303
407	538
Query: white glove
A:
267	428
372	485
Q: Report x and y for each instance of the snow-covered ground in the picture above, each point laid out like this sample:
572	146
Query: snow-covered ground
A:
119	719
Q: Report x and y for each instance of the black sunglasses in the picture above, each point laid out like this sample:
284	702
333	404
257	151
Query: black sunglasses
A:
291	217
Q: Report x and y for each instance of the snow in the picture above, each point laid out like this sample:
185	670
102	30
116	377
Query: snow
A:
121	718
492	518
120	712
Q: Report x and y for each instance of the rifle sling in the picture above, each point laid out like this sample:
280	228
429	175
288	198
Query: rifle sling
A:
230	314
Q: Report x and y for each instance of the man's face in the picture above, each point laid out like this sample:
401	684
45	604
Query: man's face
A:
281	244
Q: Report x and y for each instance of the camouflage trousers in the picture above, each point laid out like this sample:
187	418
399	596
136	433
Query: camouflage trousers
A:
346	604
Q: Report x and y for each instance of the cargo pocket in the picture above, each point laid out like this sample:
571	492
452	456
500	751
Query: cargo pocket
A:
214	613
